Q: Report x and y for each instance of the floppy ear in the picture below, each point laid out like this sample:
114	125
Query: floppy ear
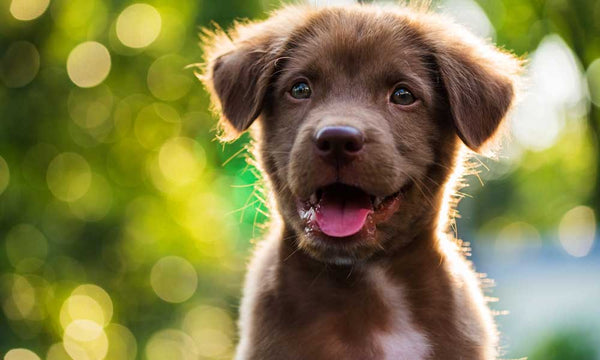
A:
480	82
239	66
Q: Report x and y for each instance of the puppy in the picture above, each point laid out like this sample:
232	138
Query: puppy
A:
361	114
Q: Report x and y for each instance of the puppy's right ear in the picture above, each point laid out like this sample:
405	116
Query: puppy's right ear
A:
239	66
481	81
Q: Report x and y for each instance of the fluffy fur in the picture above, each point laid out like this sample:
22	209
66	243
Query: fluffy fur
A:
406	291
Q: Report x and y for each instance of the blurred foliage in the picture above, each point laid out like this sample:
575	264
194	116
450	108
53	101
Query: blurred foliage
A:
566	345
125	227
568	169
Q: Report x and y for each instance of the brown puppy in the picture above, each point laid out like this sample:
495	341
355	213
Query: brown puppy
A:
362	112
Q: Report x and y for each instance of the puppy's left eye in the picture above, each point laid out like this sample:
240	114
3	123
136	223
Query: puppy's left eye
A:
300	90
402	96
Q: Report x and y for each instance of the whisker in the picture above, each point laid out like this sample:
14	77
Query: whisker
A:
243	186
263	212
290	255
242	208
255	220
234	155
419	184
350	272
318	275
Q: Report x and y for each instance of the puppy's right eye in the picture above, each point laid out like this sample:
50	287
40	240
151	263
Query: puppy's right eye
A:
402	96
300	90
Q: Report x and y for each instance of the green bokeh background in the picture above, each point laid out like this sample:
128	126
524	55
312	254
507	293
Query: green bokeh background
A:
122	185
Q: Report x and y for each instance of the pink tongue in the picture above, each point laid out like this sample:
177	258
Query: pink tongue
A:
343	213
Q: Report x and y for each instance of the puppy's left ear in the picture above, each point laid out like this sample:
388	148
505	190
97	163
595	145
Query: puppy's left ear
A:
480	81
239	66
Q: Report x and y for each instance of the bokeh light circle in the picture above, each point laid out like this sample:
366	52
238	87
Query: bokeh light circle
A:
28	9
469	14
138	25
593	79
57	352
155	124
553	62
200	208
122	343
181	160
81	307
83	316
69	176
20	299
88	64
21	354
93	346
100	296
167	79
173	32
84	330
577	231
96	202
91	109
171	344
89	303
80	19
212	329
20	64
173	279
26	247
4	175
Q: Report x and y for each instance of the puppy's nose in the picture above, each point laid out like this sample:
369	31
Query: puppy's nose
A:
340	144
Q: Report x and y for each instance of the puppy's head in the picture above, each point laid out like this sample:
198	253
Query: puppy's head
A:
361	113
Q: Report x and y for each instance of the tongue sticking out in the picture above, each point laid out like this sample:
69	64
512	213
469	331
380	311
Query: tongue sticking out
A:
343	211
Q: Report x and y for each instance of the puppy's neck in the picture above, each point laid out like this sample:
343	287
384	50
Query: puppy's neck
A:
417	250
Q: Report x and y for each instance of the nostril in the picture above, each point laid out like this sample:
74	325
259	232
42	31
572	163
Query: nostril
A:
353	145
323	145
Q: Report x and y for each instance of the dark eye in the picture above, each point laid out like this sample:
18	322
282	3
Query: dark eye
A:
300	90
402	96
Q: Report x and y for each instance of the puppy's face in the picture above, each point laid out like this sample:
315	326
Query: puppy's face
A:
351	128
361	112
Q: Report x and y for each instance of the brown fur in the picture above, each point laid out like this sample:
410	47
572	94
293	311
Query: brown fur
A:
408	292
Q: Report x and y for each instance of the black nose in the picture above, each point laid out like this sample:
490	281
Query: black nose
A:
340	144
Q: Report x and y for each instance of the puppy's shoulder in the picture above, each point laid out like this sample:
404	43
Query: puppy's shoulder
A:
262	268
474	318
260	281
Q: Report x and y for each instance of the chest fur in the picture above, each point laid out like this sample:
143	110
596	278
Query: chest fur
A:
372	320
402	338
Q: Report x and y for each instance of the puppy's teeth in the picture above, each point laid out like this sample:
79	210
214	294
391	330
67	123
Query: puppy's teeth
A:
313	198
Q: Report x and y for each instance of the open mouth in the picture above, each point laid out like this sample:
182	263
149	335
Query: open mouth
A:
340	210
